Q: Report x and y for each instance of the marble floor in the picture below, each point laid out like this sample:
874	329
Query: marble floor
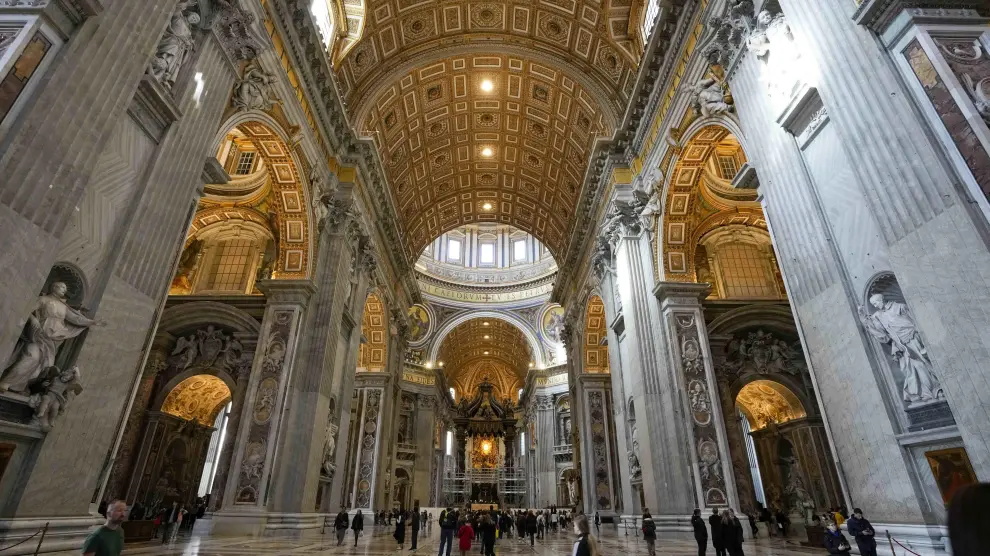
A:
380	543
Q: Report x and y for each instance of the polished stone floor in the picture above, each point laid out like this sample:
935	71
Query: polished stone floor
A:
380	542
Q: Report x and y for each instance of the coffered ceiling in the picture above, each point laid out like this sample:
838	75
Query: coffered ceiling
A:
488	111
498	342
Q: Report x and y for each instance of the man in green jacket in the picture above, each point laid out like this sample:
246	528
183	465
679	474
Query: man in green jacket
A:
108	540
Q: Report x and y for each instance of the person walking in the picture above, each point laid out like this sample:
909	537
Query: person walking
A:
540	525
340	525
400	529
488	536
586	544
357	525
715	521
835	541
862	531
108	539
700	532
531	527
649	532
598	524
414	524
732	533
465	533
448	521
969	520
168	521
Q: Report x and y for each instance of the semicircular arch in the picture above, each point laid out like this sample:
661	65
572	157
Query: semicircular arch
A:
536	347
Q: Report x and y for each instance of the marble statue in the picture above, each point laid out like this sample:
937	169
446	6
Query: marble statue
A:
54	391
572	491
188	263
773	42
329	449
635	470
185	352
709	98
254	90
51	323
891	324
175	45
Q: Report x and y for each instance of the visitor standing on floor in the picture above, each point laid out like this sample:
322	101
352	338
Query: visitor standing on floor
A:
531	527
587	544
700	532
414	524
598	524
400	529
465	534
862	531
357	525
108	540
649	532
732	533
448	521
969	520
340	526
488	536
168	521
715	521
835	541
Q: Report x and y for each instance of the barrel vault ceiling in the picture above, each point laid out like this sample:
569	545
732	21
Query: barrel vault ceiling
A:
485	347
488	111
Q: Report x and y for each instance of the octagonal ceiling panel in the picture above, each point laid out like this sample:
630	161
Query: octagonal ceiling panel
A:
458	154
467	343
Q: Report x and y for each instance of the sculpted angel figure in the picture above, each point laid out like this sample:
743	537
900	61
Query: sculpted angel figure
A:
185	352
709	97
891	324
55	392
175	45
51	323
254	90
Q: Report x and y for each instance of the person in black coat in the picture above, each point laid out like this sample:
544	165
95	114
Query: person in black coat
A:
700	532
716	523
400	529
357	525
835	541
414	523
487	535
531	527
732	533
862	531
649	532
340	526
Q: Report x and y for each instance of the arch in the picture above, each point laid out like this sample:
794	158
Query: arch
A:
373	354
595	337
198	397
180	318
174	382
767	401
480	348
290	191
535	345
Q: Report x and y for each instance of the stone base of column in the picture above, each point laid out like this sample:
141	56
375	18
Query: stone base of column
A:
926	540
673	526
63	533
268	524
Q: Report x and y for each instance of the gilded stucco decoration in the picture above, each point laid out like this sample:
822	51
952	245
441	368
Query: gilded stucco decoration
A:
485	454
766	402
595	337
700	198
457	154
483	348
374	330
198	398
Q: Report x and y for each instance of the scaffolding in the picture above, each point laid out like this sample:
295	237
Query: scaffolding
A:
510	484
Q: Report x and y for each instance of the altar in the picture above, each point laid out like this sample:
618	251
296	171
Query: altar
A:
483	507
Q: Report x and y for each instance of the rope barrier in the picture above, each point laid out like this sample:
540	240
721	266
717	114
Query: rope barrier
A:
894	541
36	533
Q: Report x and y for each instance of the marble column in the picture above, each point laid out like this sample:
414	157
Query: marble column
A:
247	499
423	466
666	464
713	480
234	420
543	464
370	447
599	446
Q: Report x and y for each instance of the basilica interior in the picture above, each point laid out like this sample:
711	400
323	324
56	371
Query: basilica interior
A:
270	260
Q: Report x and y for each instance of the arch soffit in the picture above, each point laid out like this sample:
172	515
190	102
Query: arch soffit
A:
792	387
289	180
180	318
178	379
679	228
527	331
473	341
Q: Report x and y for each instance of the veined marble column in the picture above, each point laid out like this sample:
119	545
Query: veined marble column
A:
713	481
373	407
543	464
599	446
423	467
247	496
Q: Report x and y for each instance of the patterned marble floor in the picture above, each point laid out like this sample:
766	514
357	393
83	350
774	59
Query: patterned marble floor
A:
380	543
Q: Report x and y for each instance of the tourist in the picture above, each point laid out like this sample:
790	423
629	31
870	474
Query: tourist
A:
700	532
521	525
465	533
414	524
598	524
586	544
340	525
178	523
752	525
783	522
487	536
400	529
649	532
136	513
861	530
531	527
357	525
835	541
108	539
969	520
505	525
168	519
448	521
715	521
839	516
765	517
540	525
732	533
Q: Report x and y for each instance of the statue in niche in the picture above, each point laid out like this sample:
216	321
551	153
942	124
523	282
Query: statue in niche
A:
254	90
52	392
51	323
773	42
891	324
798	497
188	263
710	98
329	449
635	469
268	260
175	45
572	491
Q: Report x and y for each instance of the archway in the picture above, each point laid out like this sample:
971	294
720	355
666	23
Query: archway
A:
485	350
